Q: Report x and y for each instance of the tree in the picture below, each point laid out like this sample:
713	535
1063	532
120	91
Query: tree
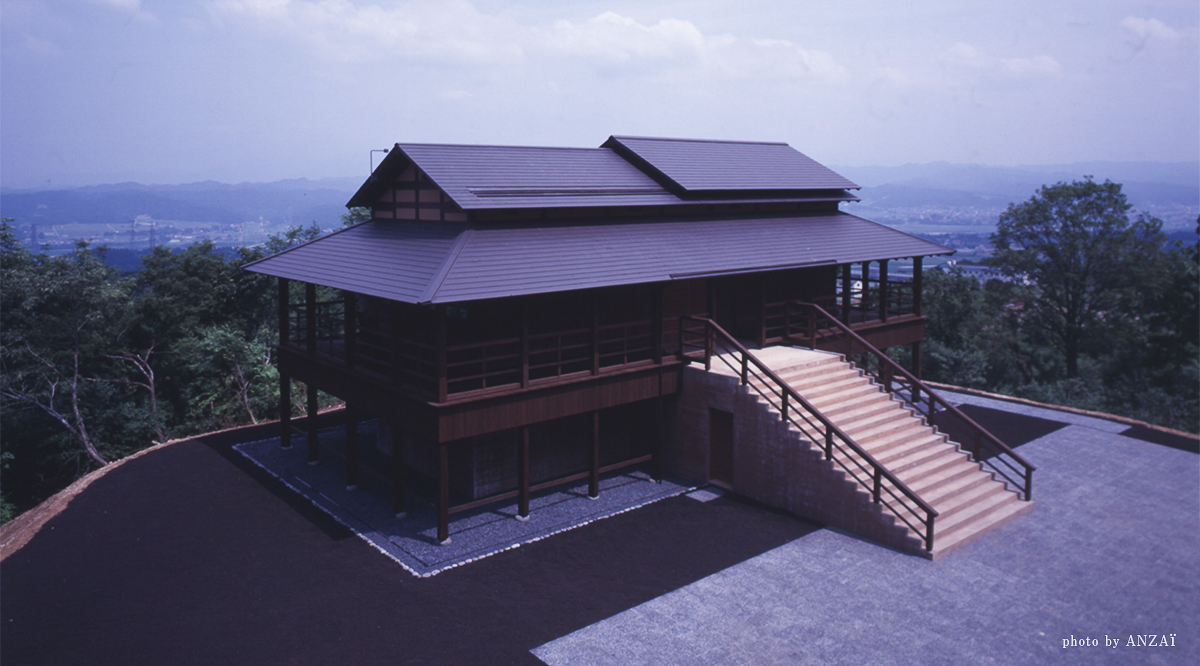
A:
1079	263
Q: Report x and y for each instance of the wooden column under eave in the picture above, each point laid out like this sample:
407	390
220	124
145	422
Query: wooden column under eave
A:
284	306
443	507
846	282
310	317
659	432
285	410
311	422
594	470
523	475
399	472
595	333
524	343
351	446
442	384
883	290
350	322
917	284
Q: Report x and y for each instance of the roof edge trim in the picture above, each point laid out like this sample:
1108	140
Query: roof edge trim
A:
451	257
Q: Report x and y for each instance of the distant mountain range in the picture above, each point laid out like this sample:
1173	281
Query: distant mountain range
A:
916	194
282	203
1168	190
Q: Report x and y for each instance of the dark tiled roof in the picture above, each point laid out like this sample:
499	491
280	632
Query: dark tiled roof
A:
419	262
507	177
695	166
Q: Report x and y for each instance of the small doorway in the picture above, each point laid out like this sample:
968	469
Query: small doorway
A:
720	448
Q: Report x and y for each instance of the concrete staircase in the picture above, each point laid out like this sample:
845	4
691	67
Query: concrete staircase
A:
969	501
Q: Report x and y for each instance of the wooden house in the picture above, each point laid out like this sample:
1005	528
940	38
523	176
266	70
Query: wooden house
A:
520	317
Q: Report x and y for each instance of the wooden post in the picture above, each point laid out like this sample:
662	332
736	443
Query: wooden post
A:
883	290
918	281
524	343
284	307
351	446
350	323
660	431
846	282
443	507
310	317
399	476
311	422
595	333
523	475
916	360
656	328
440	313
285	409
594	472
762	313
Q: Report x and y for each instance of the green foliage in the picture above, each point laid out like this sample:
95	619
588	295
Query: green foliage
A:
95	366
1097	312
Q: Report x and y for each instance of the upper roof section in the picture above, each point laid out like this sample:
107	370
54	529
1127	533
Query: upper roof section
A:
625	171
694	166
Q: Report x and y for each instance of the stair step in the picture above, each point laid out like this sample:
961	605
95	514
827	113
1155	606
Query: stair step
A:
864	430
937	487
847	405
957	519
969	530
964	499
887	456
930	465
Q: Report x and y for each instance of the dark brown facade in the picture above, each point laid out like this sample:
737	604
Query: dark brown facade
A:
506	348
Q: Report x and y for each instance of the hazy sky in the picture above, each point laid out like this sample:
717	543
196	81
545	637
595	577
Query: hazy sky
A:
171	91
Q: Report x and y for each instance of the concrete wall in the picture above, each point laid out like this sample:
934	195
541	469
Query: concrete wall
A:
771	464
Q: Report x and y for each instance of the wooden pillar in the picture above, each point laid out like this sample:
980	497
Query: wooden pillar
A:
762	312
595	333
916	359
399	476
883	290
846	282
523	475
350	322
525	342
442	384
394	342
917	283
660	431
311	422
351	447
285	409
284	307
310	317
656	327
594	471
443	507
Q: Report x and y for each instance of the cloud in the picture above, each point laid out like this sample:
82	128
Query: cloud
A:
612	41
128	5
964	56
342	31
1146	29
41	47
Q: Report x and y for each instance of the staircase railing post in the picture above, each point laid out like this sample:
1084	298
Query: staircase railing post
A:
745	369
929	532
708	346
1028	484
878	484
784	409
828	442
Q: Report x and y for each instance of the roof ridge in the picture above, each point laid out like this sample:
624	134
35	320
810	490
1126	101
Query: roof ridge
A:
664	138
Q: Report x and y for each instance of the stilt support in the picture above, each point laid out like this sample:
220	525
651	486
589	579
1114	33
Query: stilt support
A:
285	410
523	475
443	507
398	471
594	472
351	446
311	422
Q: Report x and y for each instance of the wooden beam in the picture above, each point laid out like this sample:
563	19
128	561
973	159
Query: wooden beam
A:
285	409
311	422
594	472
443	508
399	479
523	475
351	446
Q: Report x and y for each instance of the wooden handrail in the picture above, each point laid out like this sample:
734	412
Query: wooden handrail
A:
918	387
878	472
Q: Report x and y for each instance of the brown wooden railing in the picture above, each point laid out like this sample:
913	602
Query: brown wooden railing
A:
814	327
701	339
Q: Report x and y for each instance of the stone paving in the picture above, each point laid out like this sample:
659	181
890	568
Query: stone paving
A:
1110	555
411	540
